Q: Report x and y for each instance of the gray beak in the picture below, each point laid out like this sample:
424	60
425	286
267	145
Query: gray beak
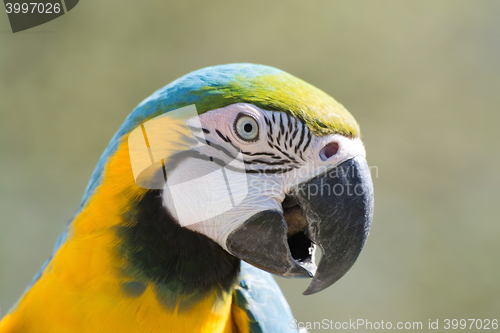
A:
333	210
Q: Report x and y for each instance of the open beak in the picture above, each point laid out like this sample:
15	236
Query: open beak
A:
333	210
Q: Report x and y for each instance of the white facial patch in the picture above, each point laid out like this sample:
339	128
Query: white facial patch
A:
215	189
228	179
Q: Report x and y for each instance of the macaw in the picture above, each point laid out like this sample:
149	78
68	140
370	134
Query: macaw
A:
220	178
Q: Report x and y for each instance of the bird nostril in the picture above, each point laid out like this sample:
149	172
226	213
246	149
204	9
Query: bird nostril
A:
329	150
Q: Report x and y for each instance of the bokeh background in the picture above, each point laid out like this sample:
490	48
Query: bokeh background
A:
421	77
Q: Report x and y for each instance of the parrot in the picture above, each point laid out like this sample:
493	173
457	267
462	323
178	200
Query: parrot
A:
217	181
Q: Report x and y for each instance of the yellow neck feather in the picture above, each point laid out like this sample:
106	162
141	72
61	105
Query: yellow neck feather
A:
81	289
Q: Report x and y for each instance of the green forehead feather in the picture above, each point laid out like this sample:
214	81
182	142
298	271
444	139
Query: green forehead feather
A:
283	92
266	87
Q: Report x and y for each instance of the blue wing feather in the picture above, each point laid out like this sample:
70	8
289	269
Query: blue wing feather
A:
260	296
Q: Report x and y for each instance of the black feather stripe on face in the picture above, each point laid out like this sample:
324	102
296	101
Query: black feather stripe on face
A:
288	138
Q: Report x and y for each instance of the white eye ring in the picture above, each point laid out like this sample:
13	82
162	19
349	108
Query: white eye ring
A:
246	127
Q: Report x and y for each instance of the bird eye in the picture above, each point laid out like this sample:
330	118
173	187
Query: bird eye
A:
247	128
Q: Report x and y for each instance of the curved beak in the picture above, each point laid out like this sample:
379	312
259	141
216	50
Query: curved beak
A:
333	210
339	211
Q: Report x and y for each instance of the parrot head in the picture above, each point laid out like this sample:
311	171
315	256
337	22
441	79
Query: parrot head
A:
265	165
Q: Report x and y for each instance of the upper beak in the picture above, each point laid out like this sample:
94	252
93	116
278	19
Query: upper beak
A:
336	210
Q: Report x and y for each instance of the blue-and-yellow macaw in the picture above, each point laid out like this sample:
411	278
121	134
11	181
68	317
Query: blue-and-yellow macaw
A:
223	176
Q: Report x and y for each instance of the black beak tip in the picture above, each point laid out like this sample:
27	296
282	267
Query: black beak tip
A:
337	223
312	289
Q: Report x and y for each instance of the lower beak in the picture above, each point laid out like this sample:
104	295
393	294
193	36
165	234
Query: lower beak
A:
337	206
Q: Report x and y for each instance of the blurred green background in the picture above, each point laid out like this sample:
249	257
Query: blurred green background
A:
422	78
